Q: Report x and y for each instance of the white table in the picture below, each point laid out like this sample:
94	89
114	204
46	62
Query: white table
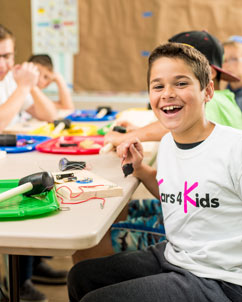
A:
74	227
63	232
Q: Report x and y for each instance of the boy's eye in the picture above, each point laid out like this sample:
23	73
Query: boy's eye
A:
181	84
158	87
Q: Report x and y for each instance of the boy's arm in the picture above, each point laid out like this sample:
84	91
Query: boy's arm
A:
152	132
147	175
65	100
132	152
12	106
43	108
26	77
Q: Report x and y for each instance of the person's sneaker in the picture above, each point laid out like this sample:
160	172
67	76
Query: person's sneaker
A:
44	274
28	293
3	294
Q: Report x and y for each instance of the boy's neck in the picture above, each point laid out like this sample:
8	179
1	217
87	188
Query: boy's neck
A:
191	136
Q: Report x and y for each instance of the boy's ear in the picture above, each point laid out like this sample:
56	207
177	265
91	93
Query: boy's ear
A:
213	72
209	90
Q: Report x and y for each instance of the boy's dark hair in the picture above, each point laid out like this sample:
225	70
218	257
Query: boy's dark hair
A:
194	58
42	59
6	33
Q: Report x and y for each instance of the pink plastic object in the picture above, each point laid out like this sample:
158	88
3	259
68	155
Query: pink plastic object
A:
73	145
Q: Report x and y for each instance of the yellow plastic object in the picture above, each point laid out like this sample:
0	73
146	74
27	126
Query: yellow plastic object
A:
80	129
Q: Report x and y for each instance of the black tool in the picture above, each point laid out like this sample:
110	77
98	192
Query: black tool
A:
65	164
61	176
8	140
103	111
61	125
31	185
119	129
127	169
68	145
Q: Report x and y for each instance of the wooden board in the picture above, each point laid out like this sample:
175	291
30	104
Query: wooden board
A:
28	126
24	127
139	117
98	187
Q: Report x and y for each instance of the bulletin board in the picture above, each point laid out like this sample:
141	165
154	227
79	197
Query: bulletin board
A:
116	36
54	26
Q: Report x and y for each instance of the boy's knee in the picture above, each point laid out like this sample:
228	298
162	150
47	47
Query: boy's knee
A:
73	281
78	280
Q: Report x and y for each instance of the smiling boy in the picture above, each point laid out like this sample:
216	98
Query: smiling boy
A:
200	192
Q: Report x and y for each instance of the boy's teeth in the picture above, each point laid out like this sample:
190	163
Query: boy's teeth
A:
171	107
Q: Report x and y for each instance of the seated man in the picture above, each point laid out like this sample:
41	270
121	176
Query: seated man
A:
18	93
18	87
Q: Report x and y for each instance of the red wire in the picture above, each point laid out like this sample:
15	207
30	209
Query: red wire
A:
80	187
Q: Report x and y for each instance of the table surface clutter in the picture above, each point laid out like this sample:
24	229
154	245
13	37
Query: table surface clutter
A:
73	225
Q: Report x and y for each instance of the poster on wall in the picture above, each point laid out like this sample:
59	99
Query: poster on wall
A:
55	32
55	26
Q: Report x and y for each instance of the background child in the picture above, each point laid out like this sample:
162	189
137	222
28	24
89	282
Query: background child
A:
48	76
200	192
233	63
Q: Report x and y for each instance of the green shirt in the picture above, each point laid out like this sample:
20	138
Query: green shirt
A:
223	109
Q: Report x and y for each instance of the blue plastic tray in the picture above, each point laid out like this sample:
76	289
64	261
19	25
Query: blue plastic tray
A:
22	147
90	116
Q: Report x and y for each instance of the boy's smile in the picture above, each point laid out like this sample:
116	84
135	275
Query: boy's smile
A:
177	99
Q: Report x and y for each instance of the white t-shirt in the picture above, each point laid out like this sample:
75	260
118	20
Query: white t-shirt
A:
7	87
201	197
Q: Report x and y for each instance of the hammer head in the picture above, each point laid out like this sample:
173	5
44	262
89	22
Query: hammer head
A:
41	181
8	140
107	108
119	129
66	122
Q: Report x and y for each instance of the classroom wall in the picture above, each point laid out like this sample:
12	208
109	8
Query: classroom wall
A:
15	15
116	36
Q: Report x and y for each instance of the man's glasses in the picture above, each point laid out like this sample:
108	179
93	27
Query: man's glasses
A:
232	60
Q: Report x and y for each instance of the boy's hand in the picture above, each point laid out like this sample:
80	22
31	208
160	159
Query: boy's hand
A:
114	137
131	151
26	75
56	77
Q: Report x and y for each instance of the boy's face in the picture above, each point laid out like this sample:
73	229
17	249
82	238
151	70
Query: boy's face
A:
45	76
233	61
176	97
6	57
